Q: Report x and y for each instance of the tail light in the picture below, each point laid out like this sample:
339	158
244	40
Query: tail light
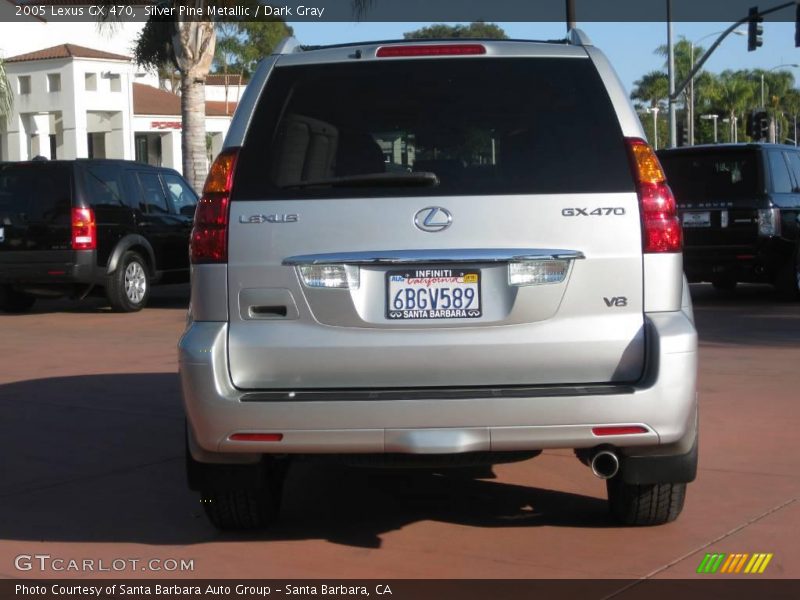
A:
661	228
209	240
84	229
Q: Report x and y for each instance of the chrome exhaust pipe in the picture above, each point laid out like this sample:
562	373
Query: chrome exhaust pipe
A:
605	464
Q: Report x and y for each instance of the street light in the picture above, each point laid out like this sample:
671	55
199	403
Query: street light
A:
763	102
714	118
690	116
654	111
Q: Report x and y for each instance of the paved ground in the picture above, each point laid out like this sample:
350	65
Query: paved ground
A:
91	438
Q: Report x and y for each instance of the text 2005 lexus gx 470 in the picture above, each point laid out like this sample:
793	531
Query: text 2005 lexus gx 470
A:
438	253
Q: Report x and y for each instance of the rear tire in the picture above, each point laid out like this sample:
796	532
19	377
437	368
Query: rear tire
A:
645	505
12	301
789	278
242	509
128	287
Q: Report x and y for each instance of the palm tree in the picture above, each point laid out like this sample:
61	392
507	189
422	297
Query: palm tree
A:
189	47
6	96
651	90
734	91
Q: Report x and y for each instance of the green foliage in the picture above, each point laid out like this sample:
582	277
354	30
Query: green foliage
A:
651	89
241	45
478	29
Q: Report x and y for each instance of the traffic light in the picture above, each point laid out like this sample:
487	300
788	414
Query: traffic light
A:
754	29
758	126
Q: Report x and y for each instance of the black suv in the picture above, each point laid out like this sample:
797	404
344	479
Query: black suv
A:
67	227
739	206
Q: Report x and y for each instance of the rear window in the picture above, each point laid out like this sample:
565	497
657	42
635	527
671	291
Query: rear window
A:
481	126
712	177
36	192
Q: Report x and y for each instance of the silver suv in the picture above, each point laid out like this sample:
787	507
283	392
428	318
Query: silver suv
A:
438	253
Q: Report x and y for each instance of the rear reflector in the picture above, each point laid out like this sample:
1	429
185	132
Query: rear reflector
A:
661	228
209	240
257	437
84	229
619	430
431	50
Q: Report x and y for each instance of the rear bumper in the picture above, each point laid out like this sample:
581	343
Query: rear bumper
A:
759	262
48	268
664	402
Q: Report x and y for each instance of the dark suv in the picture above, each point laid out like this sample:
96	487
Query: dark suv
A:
739	206
67	227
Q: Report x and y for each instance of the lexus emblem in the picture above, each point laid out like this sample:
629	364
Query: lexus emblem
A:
433	219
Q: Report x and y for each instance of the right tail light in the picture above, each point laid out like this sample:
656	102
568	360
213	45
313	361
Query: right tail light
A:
661	228
209	240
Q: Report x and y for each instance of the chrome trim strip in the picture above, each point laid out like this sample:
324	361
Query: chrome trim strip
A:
395	257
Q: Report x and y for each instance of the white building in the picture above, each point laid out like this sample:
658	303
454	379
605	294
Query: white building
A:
77	102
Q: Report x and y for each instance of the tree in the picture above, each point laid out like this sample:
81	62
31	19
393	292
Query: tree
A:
734	92
6	96
650	92
241	45
189	46
478	29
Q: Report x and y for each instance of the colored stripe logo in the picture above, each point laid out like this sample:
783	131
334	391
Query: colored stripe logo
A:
734	563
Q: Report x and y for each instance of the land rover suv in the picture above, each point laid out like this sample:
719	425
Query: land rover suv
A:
740	209
72	227
441	254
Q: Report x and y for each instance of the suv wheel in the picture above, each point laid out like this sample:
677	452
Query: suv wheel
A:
129	285
13	301
653	504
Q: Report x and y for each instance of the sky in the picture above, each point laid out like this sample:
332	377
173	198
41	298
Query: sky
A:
629	46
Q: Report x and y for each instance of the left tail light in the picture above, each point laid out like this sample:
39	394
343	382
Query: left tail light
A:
209	240
84	229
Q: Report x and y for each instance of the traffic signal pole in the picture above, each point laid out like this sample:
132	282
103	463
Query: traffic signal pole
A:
675	91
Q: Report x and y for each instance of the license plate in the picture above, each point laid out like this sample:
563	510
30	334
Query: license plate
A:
697	219
433	293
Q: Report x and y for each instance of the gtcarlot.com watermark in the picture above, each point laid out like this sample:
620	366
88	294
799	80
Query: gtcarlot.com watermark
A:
46	563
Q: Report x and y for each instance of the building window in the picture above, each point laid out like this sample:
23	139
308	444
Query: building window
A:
53	82
24	84
90	80
116	82
53	145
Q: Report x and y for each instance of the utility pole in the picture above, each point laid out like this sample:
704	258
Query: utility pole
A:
571	22
673	126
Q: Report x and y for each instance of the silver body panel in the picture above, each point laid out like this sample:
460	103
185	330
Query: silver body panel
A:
256	327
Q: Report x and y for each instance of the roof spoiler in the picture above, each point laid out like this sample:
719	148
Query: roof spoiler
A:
576	37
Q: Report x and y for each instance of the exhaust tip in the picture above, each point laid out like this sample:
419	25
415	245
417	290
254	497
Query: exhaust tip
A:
605	464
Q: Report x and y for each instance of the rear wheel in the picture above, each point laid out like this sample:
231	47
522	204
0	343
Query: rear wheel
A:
128	287
789	282
12	301
642	505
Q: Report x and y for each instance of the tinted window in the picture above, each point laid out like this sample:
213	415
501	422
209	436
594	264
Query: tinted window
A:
779	172
104	186
36	192
498	126
182	196
794	166
153	199
713	176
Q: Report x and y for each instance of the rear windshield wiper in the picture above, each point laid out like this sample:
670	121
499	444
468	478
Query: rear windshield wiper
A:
418	178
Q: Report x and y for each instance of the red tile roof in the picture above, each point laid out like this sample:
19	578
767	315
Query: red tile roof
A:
219	79
66	51
148	100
